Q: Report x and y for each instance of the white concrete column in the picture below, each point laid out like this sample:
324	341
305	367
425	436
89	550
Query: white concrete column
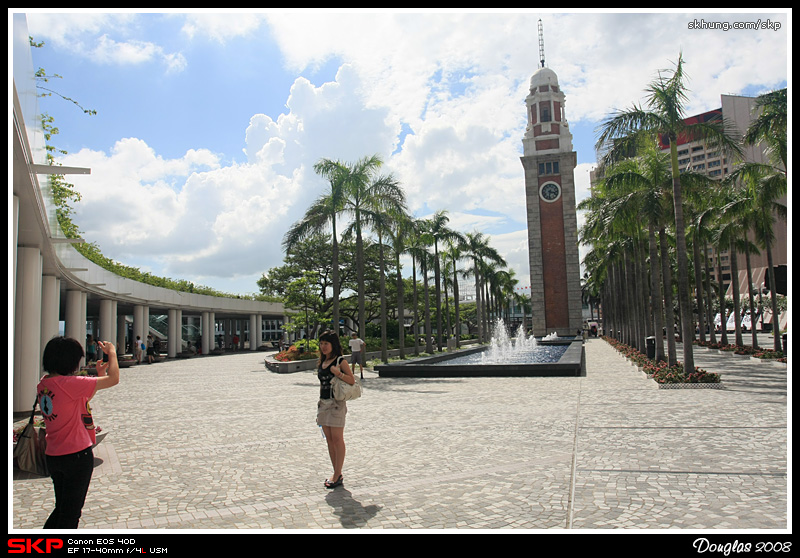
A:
75	318
138	328
82	322
108	320
15	248
212	330
172	333
72	315
27	327
255	331
51	301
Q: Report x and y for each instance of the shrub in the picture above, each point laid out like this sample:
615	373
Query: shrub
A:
296	352
661	371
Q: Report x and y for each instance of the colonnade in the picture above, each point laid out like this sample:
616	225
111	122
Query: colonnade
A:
39	310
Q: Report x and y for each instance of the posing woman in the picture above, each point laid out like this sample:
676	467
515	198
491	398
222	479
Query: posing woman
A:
330	412
64	402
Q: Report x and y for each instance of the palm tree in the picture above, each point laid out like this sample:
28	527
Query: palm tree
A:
321	214
454	251
770	127
639	188
399	234
437	228
381	224
478	249
767	182
665	118
505	284
365	194
416	244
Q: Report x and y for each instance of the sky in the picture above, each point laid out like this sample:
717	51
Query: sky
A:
208	124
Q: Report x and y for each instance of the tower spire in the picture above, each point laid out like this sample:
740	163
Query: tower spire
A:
541	43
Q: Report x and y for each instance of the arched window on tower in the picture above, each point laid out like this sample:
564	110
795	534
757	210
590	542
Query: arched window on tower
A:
544	109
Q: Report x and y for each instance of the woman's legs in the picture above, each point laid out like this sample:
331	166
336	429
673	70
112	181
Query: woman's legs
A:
336	449
71	476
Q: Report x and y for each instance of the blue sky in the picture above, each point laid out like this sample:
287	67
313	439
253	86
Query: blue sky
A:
208	124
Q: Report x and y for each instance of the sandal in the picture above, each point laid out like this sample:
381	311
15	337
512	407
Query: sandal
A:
329	484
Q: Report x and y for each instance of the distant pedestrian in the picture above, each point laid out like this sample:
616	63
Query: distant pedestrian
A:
137	350
91	349
358	349
150	352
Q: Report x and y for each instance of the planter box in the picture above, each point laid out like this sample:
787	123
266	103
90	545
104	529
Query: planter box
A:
311	364
305	365
718	385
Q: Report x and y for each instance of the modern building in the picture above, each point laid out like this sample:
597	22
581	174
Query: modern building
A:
58	291
737	113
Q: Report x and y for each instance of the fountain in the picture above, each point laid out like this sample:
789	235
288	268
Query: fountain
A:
520	355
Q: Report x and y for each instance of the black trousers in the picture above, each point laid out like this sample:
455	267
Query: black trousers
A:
71	476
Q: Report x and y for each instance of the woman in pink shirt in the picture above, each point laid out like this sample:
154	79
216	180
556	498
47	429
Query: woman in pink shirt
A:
64	402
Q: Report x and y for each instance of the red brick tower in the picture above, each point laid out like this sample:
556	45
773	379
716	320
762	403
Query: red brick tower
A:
549	163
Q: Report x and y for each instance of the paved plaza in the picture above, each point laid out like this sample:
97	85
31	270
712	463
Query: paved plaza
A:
221	443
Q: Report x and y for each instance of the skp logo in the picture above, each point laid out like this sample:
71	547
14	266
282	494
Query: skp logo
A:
30	546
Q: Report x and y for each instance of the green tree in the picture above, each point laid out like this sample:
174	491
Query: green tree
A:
366	193
417	244
398	236
664	117
767	183
478	249
301	295
320	217
440	232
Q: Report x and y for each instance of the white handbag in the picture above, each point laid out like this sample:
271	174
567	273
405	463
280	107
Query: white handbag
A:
342	391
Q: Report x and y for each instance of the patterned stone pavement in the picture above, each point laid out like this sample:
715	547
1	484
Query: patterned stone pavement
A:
216	443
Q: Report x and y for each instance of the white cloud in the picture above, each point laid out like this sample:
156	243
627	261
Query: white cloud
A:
191	215
455	82
87	35
220	26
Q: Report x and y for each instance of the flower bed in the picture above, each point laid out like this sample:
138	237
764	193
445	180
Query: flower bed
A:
746	350
663	374
765	354
295	353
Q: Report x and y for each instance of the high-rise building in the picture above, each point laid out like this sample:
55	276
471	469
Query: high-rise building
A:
737	113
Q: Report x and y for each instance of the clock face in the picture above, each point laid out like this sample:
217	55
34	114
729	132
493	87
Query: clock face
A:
550	192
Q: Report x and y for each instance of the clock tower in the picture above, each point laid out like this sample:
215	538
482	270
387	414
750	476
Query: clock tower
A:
549	163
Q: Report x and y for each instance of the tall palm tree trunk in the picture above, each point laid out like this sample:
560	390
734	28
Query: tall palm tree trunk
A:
750	299
669	314
737	312
656	298
698	290
683	271
776	323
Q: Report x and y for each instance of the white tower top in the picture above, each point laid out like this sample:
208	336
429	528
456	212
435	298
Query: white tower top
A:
548	129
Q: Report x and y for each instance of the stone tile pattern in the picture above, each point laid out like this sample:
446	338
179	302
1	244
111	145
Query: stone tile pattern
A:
221	443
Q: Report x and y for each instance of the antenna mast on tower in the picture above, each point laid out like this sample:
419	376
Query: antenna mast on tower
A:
541	44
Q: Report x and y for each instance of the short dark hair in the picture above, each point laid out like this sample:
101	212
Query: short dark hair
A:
62	356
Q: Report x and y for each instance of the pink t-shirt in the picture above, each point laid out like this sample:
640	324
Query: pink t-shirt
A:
64	402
